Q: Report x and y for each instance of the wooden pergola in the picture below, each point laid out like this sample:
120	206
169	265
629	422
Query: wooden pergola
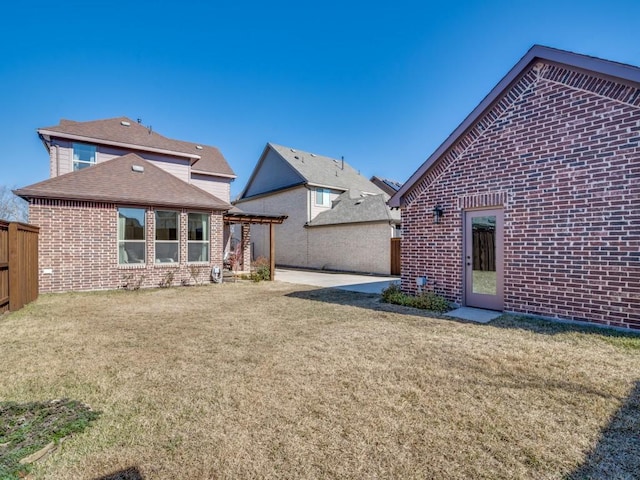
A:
236	216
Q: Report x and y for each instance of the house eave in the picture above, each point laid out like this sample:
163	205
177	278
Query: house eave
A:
270	192
212	174
605	68
363	222
26	195
52	134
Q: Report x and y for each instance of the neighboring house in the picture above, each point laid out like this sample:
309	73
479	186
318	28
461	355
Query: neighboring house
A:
388	186
532	205
337	219
127	207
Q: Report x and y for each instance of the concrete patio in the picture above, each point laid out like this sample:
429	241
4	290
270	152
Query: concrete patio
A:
344	281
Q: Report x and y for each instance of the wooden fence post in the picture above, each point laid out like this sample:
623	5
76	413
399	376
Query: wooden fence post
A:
14	269
4	266
272	250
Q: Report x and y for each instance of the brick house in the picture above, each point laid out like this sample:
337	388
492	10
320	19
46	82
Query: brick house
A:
532	205
337	218
127	207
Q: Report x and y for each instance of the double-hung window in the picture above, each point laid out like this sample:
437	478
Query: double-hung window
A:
198	237
167	237
322	197
83	155
131	235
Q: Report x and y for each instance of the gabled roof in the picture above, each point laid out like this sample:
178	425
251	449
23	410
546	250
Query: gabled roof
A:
387	185
354	207
124	132
604	68
316	170
116	181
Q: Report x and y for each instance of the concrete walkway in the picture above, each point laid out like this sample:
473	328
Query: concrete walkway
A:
344	281
474	314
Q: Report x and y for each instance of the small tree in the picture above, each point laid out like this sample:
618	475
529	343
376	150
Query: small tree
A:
12	207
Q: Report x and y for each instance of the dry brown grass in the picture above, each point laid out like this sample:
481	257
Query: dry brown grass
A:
271	380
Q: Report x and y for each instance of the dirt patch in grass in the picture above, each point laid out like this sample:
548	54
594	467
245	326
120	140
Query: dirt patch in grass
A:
28	431
273	380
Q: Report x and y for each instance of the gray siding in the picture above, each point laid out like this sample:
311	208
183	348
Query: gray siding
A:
178	167
274	173
220	187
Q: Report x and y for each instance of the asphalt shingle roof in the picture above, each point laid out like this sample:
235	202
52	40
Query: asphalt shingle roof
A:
353	207
116	181
325	171
116	130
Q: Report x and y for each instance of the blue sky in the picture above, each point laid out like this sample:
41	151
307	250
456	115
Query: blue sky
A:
382	84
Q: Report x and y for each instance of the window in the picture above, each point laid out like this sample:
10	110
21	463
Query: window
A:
167	237
322	197
198	248
83	155
131	235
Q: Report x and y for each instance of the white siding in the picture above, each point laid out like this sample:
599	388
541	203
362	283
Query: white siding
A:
316	209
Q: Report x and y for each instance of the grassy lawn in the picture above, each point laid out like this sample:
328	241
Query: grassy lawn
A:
273	380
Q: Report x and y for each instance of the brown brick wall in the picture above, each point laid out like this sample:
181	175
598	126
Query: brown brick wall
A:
560	153
78	244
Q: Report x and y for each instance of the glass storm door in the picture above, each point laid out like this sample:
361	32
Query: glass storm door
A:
483	249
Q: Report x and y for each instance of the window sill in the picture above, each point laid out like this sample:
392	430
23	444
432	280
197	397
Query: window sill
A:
170	264
132	266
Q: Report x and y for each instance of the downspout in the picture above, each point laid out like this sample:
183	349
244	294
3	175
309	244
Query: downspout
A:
306	230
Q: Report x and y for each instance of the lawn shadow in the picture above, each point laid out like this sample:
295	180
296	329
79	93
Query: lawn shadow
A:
371	301
131	473
550	327
617	453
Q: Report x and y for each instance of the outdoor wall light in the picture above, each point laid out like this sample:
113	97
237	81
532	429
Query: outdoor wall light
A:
438	213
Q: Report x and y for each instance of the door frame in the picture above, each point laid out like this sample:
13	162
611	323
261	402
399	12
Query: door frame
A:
480	300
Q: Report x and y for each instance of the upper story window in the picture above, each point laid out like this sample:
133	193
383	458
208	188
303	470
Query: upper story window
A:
167	236
83	155
131	235
198	237
322	197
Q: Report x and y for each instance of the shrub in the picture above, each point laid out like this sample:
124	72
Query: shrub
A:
262	270
425	301
167	280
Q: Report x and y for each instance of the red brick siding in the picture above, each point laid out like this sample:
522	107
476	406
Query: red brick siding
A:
79	243
560	153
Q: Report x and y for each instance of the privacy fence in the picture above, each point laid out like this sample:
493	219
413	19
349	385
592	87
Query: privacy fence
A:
395	256
18	265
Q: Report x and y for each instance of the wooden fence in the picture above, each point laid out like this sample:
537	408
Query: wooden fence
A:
18	265
484	249
395	256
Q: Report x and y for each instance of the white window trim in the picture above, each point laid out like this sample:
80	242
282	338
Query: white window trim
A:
200	242
326	194
84	162
123	241
156	260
